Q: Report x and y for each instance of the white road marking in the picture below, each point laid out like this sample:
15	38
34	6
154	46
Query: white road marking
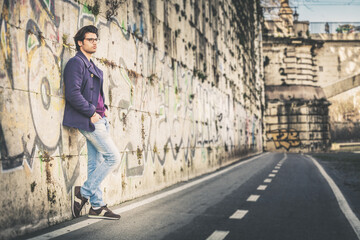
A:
66	230
129	207
344	206
262	187
275	171
283	159
218	235
253	198
239	214
272	175
268	180
277	167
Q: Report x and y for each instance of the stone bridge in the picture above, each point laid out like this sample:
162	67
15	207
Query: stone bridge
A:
341	86
312	84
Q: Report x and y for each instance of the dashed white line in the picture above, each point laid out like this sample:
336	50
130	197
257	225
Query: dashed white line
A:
253	198
82	224
218	235
239	214
344	206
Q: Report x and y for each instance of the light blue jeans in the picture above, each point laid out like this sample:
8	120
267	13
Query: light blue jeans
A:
103	155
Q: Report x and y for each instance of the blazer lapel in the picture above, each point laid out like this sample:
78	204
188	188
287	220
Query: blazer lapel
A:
93	71
97	72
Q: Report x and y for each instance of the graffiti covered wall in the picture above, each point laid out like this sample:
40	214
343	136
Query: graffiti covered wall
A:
183	80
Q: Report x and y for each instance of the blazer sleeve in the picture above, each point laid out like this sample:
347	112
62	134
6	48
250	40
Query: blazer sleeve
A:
73	77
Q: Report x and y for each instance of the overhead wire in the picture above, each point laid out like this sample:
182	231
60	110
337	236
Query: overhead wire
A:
327	3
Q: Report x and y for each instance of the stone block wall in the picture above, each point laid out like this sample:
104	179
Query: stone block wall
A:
297	125
322	69
296	115
183	79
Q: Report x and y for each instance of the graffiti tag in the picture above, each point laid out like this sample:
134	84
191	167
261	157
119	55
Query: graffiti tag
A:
286	138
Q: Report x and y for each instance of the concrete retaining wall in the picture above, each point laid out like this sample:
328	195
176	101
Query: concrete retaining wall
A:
339	75
183	80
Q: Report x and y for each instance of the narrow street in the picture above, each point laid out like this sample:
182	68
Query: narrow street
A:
271	196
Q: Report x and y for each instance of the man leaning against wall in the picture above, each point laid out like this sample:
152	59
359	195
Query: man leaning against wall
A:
85	109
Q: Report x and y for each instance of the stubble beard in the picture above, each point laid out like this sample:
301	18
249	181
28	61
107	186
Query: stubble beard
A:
90	51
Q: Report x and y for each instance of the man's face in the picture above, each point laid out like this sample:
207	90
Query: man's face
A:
89	44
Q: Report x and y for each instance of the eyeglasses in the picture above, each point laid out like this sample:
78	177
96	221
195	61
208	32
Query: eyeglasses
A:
92	40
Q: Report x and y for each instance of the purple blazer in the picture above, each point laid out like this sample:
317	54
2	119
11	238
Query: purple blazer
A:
83	84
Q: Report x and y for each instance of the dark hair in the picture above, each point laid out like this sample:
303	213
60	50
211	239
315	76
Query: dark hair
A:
80	35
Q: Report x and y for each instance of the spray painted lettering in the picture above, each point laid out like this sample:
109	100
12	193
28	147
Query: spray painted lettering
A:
286	138
33	98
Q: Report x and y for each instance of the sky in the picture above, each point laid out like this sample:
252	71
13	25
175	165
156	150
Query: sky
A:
327	10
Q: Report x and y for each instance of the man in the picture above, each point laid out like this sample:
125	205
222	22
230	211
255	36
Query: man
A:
86	111
327	28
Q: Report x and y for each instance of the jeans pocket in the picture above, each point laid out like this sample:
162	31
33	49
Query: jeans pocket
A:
97	121
100	125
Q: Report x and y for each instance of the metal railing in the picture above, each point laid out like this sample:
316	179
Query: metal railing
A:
334	27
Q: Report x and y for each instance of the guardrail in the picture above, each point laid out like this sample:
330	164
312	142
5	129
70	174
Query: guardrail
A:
354	146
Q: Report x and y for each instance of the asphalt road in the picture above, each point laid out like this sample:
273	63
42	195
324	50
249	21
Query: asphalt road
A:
275	196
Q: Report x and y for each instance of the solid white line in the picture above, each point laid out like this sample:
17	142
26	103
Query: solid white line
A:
253	198
66	230
129	207
344	206
272	175
218	235
262	187
268	180
239	214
